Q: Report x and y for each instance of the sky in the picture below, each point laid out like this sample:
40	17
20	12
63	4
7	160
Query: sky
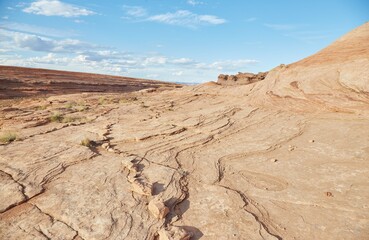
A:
189	41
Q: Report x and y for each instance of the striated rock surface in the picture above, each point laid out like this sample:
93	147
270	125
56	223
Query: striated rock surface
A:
282	158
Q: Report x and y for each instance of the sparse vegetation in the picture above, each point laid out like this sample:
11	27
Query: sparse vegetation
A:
82	108
69	119
127	100
42	107
101	101
86	142
56	117
70	105
8	137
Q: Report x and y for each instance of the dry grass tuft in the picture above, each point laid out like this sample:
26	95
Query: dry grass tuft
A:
8	137
86	142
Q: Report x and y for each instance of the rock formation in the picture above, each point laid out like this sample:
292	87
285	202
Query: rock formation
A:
282	158
241	78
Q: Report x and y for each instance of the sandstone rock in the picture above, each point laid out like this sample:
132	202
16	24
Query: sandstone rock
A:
241	78
218	173
222	77
174	233
157	208
141	187
128	163
105	145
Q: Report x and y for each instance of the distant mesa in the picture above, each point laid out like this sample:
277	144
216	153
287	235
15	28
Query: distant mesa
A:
18	82
241	78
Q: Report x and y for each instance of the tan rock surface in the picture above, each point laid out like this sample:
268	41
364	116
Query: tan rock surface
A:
283	158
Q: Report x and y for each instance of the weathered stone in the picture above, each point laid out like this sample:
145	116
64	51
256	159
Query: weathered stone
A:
157	208
174	233
141	187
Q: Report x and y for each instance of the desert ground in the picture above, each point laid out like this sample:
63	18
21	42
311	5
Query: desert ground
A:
286	157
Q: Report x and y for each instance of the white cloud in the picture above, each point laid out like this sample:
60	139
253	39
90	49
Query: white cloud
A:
34	43
13	40
33	29
228	65
56	8
78	21
157	60
135	11
75	55
183	61
194	3
183	18
187	19
152	75
179	73
5	17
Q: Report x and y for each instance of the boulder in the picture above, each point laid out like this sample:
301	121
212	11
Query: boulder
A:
157	208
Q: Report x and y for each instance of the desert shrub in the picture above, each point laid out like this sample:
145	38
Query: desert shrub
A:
86	142
56	117
82	108
101	101
127	99
70	105
69	119
8	137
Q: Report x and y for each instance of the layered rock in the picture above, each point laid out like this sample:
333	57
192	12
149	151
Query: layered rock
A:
241	78
283	158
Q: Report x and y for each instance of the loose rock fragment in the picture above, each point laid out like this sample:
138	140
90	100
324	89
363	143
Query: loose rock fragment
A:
141	187
291	148
274	160
105	146
174	233
111	150
157	208
127	162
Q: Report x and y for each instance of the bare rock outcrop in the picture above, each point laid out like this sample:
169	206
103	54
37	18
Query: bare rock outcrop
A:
228	162
241	78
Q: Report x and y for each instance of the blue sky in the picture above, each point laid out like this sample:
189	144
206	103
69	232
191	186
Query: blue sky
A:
172	40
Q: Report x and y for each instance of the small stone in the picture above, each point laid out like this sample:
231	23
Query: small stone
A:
274	160
157	208
111	150
311	141
140	187
174	233
105	145
329	194
127	162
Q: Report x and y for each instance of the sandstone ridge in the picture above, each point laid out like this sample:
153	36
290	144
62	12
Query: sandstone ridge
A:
241	78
